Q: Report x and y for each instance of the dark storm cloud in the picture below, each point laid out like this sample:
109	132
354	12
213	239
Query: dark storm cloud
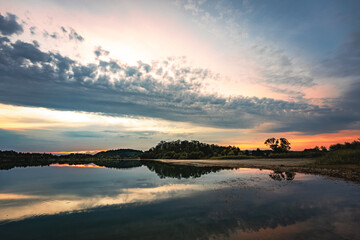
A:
31	52
351	98
9	25
31	77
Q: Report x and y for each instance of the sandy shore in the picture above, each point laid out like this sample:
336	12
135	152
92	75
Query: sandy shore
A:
301	165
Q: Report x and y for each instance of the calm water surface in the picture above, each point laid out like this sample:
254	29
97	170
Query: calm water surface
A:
150	200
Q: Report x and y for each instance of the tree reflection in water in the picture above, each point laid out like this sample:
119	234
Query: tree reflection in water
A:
279	176
164	170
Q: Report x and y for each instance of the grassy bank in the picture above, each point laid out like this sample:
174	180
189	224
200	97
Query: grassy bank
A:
344	156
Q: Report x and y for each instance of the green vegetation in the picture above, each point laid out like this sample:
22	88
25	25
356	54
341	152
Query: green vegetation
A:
296	155
119	154
10	159
190	150
347	153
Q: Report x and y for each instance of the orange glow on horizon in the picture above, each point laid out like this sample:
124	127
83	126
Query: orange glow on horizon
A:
91	165
300	142
80	151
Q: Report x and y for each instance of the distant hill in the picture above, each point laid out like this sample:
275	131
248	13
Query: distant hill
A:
119	153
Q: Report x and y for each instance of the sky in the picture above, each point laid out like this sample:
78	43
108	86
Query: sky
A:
85	76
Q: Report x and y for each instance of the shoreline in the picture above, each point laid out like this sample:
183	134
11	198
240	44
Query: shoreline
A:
345	172
301	165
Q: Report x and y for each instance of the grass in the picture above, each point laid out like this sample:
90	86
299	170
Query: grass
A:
296	155
234	157
344	156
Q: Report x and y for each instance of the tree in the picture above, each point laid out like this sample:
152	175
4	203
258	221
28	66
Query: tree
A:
278	145
323	149
258	152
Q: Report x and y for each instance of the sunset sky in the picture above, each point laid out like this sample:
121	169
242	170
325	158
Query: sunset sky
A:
95	75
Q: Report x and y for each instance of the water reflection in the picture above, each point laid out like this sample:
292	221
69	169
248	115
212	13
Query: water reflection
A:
13	209
279	176
164	170
163	201
91	165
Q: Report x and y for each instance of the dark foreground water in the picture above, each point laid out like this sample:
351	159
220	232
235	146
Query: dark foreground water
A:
150	200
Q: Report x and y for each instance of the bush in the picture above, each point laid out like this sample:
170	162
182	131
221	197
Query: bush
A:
344	156
296	155
196	155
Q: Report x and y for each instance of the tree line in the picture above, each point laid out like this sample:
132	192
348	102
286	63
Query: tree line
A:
348	152
189	150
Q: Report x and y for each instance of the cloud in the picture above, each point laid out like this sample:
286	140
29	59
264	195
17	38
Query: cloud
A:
22	51
100	52
71	34
9	25
343	114
36	78
279	68
351	99
82	134
74	35
166	89
345	61
229	22
11	140
54	35
32	30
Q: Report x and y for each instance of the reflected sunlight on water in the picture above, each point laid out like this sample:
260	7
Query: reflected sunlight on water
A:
55	204
152	200
90	165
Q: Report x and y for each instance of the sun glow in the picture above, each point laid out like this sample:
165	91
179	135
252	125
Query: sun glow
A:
26	118
80	152
91	165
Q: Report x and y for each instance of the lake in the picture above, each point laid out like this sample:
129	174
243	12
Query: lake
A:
153	200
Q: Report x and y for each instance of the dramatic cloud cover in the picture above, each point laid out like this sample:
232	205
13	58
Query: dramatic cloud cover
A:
219	72
9	25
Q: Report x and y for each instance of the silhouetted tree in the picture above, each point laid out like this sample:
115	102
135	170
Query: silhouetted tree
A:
258	152
354	145
323	149
278	145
